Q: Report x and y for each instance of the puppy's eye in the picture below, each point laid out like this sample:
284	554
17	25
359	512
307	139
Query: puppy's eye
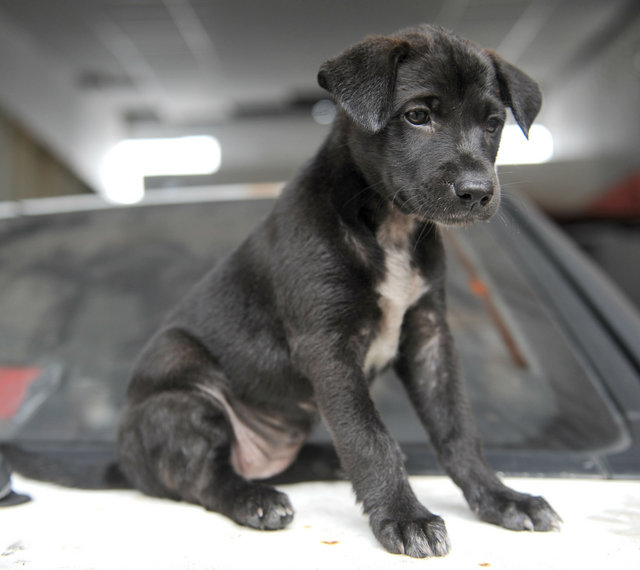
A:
493	124
418	116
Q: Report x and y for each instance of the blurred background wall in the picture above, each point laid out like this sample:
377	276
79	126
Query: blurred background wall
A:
29	170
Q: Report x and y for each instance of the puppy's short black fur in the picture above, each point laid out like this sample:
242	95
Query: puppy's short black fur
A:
344	278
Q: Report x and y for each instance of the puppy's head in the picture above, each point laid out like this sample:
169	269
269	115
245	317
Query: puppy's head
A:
424	111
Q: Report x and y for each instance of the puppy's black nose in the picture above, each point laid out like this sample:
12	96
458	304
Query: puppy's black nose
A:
474	192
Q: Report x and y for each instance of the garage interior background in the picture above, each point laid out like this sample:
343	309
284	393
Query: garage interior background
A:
80	75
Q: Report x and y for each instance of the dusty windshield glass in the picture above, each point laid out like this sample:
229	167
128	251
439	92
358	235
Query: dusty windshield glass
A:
80	293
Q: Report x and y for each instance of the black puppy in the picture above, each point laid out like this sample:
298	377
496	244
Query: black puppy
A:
344	278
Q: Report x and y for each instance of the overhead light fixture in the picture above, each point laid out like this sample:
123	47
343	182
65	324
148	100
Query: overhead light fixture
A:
128	162
515	148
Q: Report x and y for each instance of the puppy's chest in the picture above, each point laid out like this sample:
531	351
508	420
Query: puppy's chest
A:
400	288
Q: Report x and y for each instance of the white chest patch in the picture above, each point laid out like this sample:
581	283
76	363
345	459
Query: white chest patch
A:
401	287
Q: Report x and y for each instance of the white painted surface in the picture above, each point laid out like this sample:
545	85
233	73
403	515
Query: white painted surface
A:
71	529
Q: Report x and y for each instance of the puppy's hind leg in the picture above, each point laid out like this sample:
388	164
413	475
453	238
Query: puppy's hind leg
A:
176	442
177	445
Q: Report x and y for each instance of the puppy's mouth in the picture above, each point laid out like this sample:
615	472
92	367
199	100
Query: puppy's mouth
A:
473	214
444	206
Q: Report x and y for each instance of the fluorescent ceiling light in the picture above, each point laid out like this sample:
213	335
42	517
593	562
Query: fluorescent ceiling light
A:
516	149
129	161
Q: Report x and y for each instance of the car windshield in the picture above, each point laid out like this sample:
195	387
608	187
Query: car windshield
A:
81	292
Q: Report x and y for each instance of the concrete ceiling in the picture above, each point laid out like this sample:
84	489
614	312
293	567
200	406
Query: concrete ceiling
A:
81	74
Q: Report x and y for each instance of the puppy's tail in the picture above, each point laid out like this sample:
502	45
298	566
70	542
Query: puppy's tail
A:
82	469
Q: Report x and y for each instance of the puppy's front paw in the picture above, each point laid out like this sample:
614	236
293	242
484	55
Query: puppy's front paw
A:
262	507
517	511
418	537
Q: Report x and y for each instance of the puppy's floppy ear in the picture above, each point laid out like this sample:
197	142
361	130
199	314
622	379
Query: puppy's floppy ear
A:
362	80
518	91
